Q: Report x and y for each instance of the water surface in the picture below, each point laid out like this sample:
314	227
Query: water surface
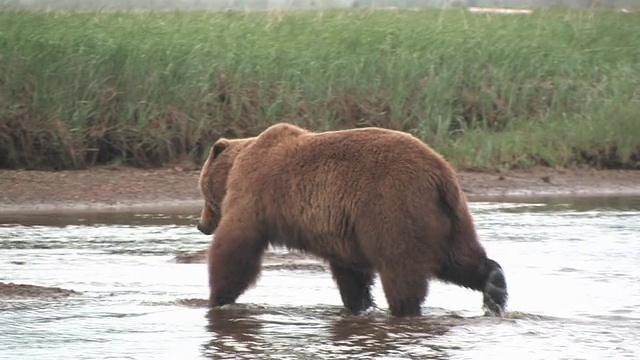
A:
572	269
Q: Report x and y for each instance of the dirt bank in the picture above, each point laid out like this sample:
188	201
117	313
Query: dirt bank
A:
118	189
11	291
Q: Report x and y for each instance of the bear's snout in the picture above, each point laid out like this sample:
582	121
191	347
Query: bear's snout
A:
206	229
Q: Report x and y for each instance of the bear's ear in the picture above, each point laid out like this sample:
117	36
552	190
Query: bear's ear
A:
219	147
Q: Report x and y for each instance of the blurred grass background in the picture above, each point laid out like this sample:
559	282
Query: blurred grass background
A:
554	88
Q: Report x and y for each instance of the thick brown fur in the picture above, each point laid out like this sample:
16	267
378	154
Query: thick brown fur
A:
366	200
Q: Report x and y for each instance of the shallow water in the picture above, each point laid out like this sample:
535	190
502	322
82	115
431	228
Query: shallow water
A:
572	270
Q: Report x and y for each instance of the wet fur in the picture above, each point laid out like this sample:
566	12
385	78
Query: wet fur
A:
366	200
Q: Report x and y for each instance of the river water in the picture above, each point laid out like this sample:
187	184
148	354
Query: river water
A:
573	269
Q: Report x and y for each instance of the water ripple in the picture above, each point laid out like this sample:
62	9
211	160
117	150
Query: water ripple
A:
572	273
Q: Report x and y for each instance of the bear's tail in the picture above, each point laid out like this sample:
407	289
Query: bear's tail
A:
463	244
456	206
466	263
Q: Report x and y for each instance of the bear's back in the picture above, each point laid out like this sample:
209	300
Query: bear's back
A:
285	158
372	152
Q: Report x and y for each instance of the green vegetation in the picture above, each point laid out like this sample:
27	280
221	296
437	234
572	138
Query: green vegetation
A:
553	88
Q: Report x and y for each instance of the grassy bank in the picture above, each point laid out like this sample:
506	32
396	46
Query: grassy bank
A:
553	88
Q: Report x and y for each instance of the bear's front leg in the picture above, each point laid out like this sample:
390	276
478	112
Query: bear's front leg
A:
234	261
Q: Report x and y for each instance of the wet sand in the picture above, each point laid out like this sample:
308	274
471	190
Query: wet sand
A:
11	291
107	189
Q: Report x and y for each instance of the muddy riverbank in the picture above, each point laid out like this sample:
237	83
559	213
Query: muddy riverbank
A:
107	189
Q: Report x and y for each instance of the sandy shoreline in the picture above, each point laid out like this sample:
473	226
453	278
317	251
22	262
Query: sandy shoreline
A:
175	189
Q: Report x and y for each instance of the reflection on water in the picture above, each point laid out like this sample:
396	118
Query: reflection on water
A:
321	333
572	269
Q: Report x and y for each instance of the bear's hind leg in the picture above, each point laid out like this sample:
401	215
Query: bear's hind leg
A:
234	262
405	291
354	286
482	274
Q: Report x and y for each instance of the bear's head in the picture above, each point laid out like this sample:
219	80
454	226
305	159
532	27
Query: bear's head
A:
213	180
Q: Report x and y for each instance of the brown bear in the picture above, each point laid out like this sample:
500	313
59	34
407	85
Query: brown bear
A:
368	201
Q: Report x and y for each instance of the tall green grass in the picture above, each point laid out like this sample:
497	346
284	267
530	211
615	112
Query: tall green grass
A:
148	88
